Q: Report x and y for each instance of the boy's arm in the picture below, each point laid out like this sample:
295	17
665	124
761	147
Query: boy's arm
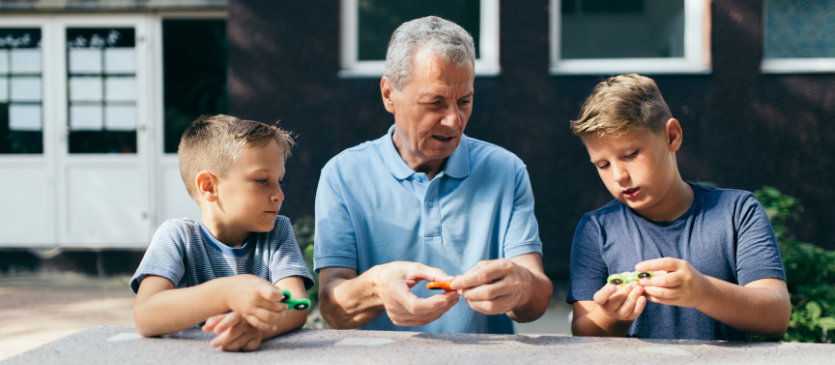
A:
293	320
761	307
160	309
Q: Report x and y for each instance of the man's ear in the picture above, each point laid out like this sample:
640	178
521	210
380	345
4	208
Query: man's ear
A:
387	89
207	185
673	134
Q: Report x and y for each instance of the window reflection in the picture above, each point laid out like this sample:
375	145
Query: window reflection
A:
102	90
21	94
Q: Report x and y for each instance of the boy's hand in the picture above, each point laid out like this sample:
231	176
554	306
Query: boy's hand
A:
681	285
257	301
623	304
234	333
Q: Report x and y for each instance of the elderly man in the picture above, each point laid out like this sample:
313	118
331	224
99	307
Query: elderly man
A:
425	202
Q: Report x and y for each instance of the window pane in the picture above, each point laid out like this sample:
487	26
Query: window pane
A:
86	88
379	18
799	29
21	110
25	89
24	117
121	89
194	74
102	98
621	29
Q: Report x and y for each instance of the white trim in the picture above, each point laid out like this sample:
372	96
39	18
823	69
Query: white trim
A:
798	65
696	58
352	67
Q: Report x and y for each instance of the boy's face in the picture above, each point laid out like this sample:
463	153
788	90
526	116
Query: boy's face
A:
250	195
639	167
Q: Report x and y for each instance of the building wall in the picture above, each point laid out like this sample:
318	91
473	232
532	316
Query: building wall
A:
742	129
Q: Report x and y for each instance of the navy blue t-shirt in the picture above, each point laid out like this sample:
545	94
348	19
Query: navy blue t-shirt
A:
725	234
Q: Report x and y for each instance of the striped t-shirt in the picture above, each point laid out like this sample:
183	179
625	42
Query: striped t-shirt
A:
186	253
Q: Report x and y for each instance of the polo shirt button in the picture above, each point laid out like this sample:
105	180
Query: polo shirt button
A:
431	204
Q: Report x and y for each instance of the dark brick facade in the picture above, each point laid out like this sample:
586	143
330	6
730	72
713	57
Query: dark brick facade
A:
742	129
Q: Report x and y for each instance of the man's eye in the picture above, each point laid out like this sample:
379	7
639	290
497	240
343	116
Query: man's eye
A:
465	101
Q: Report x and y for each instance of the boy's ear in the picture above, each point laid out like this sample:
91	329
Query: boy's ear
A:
207	185
386	89
673	134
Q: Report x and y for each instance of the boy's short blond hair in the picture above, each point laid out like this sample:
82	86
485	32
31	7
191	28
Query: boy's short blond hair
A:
620	105
214	144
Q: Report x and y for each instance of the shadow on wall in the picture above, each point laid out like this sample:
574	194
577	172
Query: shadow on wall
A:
101	263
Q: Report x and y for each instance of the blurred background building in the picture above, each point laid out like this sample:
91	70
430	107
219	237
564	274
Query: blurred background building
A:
94	96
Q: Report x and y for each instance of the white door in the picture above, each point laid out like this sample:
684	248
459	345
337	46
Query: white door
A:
27	181
102	145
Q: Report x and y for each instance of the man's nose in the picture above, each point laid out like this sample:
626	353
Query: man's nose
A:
452	119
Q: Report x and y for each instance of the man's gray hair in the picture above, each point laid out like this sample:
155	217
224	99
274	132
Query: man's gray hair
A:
443	37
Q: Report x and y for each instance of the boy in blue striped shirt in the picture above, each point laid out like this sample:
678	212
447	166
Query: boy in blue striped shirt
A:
226	270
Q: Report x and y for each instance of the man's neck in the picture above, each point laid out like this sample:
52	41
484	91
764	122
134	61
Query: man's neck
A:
431	167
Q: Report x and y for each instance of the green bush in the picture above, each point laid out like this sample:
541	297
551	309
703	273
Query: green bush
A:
810	271
304	228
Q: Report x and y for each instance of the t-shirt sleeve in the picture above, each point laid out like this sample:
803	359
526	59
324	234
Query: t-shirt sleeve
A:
588	270
522	235
757	253
287	260
335	239
164	256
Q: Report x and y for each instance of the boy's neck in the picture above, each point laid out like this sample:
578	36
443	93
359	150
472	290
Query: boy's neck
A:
225	233
678	201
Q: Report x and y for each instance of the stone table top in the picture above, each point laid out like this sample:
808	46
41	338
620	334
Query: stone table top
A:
122	345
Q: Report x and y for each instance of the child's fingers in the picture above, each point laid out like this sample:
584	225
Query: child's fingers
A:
270	293
666	264
228	322
640	304
252	345
222	340
667	280
238	342
616	300
660	292
212	322
628	305
256	322
602	295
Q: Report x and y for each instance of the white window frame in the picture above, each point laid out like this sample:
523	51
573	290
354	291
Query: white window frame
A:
351	67
696	58
794	65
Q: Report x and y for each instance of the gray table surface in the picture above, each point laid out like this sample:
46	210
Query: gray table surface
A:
121	345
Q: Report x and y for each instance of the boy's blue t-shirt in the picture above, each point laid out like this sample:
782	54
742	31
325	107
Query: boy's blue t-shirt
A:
725	234
186	253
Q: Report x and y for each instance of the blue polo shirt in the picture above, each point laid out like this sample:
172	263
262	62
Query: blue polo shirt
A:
371	209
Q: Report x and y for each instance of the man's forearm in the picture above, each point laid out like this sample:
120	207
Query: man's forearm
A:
762	311
350	303
539	290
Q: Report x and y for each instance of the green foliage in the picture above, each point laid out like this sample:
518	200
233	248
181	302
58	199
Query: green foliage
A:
810	271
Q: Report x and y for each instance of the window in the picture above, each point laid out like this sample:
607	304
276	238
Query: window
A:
194	73
21	100
798	36
367	26
597	37
101	76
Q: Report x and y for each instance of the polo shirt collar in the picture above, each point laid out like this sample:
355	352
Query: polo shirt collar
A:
457	165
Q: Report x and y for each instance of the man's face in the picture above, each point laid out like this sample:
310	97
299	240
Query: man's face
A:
638	168
432	109
250	195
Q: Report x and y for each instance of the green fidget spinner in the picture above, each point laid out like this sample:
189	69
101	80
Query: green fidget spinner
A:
621	280
299	304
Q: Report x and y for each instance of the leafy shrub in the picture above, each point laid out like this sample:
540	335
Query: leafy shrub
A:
305	228
810	271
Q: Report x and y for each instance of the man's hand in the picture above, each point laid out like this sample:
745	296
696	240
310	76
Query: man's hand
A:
393	283
681	285
256	301
622	304
234	332
517	287
493	287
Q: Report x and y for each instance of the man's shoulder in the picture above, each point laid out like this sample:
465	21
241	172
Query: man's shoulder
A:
360	154
483	150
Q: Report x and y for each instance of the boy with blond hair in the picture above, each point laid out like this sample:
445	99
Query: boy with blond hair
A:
717	272
227	270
